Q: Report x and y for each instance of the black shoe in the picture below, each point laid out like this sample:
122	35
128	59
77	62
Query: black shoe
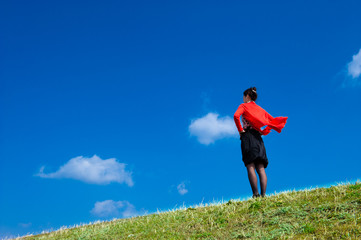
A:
263	195
256	195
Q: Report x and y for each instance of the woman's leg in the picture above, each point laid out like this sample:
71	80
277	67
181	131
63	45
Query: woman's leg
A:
262	177
252	177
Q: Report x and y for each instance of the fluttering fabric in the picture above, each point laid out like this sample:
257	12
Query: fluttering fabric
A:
258	118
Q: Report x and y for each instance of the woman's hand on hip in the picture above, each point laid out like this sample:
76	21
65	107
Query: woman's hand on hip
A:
240	133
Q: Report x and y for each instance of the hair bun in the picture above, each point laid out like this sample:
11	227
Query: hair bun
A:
251	92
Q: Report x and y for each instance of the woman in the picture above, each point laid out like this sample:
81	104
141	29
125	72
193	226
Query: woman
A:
253	150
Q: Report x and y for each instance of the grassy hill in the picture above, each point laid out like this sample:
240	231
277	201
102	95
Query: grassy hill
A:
320	213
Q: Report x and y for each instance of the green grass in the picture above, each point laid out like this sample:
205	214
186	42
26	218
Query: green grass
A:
320	213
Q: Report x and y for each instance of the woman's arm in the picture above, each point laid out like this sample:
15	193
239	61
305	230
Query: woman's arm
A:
237	116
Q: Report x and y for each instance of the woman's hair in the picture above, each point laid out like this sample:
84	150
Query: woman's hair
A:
251	92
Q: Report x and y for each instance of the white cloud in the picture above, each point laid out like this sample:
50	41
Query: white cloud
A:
182	188
352	72
25	225
210	128
354	67
92	170
110	208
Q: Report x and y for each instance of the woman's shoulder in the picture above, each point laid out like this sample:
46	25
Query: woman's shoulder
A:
253	103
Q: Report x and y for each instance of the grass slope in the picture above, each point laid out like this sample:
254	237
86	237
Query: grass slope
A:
320	213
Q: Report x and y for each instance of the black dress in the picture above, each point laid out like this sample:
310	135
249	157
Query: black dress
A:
253	149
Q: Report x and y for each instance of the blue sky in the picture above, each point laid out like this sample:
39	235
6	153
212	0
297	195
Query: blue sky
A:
122	108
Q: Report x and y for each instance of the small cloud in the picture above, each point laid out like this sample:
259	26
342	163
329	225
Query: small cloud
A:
25	225
354	67
182	188
353	72
110	208
210	128
92	170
